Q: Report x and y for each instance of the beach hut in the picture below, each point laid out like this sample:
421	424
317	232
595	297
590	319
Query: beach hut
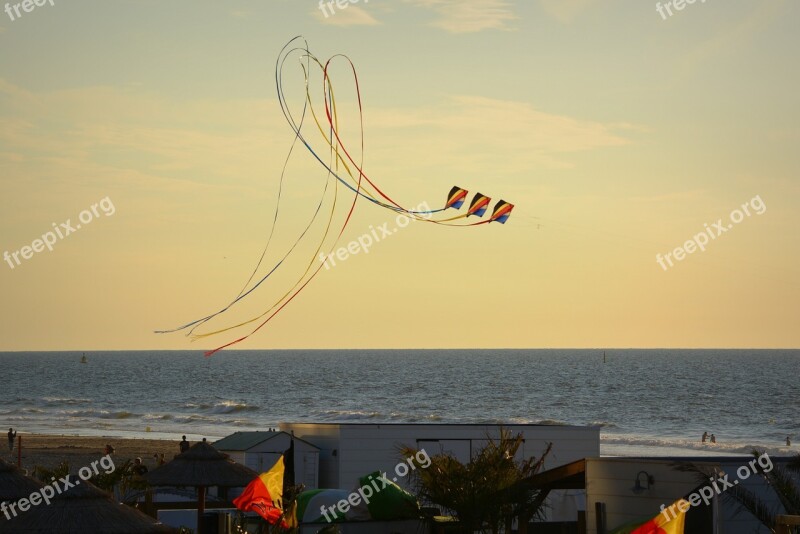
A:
14	485
201	467
260	450
82	508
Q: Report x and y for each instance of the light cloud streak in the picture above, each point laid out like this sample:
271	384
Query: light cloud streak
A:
458	16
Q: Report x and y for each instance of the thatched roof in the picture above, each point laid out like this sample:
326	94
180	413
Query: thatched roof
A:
85	509
14	484
201	465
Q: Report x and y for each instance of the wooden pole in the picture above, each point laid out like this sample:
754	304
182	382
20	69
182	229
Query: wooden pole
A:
600	517
19	452
784	522
148	503
201	508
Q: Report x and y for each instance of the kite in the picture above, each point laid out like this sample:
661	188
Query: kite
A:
316	127
501	212
456	197
478	205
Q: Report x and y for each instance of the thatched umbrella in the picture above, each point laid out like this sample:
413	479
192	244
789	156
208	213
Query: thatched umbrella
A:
14	484
201	466
82	508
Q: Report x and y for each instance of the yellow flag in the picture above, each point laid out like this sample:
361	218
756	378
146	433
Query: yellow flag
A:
671	520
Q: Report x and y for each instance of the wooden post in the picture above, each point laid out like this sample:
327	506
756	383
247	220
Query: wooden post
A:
149	509
600	517
19	452
581	521
783	522
201	508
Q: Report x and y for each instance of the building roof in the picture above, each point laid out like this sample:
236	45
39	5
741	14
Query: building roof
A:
14	484
83	508
244	441
567	476
423	425
201	465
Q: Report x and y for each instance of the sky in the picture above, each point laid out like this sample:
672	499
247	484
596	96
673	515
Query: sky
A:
652	160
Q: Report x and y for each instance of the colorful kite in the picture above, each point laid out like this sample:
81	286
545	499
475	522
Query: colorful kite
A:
502	211
478	205
456	197
343	173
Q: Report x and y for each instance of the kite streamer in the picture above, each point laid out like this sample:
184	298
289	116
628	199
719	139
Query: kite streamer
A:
341	169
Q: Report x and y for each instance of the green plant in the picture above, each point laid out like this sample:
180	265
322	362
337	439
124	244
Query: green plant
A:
46	475
781	480
488	493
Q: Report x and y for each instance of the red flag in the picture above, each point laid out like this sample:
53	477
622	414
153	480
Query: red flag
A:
671	520
263	495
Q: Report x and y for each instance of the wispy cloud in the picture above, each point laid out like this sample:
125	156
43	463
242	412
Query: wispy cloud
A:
566	10
105	130
101	136
349	15
484	133
460	16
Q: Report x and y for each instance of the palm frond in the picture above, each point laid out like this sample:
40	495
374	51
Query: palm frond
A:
743	497
747	500
794	464
785	487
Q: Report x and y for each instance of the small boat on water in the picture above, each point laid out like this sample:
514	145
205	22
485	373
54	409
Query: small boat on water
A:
83	358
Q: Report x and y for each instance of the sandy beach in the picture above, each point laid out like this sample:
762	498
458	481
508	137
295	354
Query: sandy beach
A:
49	451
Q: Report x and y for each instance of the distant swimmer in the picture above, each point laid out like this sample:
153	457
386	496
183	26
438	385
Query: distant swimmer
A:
713	438
705	437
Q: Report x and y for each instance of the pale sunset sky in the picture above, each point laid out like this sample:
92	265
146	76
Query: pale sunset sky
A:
617	132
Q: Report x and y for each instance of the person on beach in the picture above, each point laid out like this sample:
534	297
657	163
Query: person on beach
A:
184	445
713	438
138	467
788	442
705	437
109	450
11	436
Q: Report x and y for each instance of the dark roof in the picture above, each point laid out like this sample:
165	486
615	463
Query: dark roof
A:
395	423
242	441
567	476
14	484
201	465
83	508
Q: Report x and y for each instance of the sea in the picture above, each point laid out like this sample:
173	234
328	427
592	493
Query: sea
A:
645	402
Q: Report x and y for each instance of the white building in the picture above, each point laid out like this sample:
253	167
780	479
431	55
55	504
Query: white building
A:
349	451
260	450
613	497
